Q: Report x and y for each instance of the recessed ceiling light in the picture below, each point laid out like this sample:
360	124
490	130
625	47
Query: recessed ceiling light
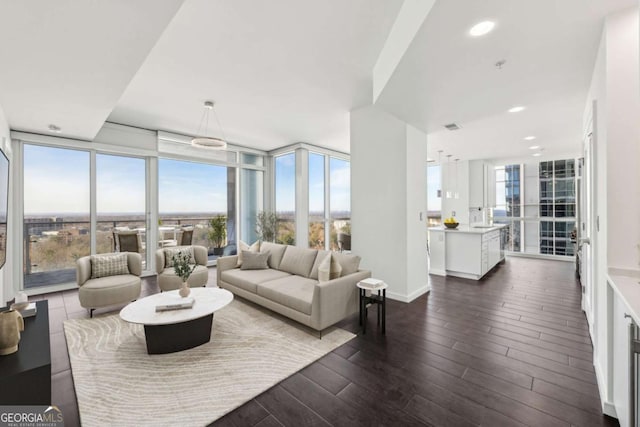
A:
537	154
529	138
534	147
54	129
516	109
430	160
482	28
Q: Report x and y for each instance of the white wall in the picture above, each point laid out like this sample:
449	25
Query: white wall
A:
456	177
615	89
388	188
6	276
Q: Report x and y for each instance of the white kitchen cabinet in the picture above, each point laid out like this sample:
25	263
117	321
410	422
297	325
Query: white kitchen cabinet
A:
468	252
482	184
621	373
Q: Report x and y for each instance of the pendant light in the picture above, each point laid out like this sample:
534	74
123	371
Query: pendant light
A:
201	140
440	164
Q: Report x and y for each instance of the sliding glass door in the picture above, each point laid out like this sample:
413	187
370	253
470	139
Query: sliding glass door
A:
56	228
121	204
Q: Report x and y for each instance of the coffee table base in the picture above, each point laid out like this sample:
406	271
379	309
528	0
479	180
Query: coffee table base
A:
175	337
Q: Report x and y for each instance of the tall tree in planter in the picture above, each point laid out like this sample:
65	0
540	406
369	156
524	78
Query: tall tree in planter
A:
266	226
218	233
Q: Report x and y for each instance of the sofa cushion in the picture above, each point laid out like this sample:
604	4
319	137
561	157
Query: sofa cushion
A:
254	261
249	279
276	250
242	246
348	262
294	292
314	270
169	253
109	265
329	269
298	260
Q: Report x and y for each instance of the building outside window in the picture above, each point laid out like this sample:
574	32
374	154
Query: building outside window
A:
557	206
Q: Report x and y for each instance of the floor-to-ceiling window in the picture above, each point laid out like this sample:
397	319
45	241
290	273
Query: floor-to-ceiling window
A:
120	202
56	213
316	201
557	206
190	194
251	196
339	199
285	197
508	208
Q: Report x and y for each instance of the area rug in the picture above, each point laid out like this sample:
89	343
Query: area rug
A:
251	349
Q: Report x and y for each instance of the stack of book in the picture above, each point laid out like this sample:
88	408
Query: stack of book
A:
26	309
181	304
371	283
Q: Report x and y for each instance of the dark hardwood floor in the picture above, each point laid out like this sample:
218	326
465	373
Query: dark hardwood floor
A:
510	350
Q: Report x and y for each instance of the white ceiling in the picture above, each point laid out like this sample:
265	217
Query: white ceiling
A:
280	72
67	62
287	71
447	76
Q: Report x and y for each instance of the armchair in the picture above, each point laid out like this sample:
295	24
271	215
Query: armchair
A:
167	279
102	286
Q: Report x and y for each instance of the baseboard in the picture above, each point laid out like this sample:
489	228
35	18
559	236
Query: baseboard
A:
408	298
608	408
437	272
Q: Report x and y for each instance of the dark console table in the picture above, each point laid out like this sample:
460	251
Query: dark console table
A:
25	376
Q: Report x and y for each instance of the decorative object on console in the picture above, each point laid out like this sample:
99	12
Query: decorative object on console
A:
11	324
205	141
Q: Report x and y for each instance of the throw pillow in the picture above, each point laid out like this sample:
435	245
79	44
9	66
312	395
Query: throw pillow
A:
242	246
349	263
329	269
254	261
169	253
108	265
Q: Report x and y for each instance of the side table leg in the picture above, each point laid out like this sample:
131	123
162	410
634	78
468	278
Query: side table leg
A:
378	309
360	302
384	309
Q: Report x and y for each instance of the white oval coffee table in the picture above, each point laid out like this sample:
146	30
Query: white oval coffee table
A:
176	330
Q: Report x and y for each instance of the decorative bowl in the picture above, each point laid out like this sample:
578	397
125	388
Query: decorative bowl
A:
451	224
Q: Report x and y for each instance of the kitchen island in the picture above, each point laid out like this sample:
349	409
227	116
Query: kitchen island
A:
467	251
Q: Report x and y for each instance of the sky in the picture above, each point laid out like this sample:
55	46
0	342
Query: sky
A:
57	181
339	179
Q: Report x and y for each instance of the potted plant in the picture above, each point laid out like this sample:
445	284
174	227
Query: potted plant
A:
218	233
266	226
183	268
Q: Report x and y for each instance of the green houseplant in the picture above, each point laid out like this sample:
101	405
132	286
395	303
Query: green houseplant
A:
218	233
183	268
266	226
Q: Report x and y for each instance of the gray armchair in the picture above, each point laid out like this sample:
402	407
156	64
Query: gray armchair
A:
167	279
97	292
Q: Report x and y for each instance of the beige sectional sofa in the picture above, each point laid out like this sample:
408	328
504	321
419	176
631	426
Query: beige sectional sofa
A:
291	286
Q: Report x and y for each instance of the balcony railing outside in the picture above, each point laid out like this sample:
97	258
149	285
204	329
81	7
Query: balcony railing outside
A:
52	247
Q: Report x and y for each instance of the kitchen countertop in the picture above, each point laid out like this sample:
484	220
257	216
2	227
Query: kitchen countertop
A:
469	229
628	288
